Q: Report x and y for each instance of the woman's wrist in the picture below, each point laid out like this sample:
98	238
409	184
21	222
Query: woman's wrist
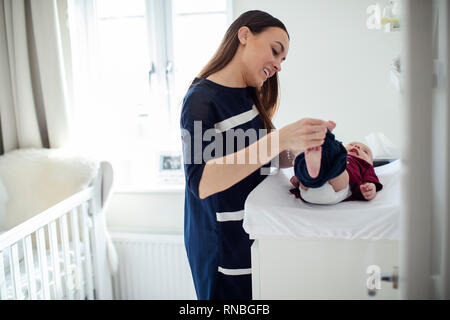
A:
282	143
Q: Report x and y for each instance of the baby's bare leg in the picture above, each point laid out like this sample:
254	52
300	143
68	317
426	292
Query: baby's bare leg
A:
313	156
340	182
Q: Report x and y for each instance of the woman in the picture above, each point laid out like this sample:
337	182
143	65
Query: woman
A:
236	92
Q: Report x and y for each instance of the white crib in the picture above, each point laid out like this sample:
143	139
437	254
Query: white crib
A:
60	253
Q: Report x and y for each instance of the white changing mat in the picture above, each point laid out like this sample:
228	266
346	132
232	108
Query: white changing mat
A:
271	210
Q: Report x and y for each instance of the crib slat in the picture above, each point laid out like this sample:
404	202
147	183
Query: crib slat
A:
16	272
11	273
87	252
66	250
3	295
29	267
55	257
45	289
76	246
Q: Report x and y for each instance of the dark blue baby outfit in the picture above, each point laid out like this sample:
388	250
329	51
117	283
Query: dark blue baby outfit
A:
333	163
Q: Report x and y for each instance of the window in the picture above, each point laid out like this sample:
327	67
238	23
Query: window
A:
133	62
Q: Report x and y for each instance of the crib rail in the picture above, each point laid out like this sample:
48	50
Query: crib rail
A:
42	219
50	255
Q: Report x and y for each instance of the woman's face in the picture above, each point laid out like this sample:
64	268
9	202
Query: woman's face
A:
263	54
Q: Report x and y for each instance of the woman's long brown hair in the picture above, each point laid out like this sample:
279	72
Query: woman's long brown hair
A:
265	99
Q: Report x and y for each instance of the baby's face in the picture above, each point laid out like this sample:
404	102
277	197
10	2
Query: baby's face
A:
360	150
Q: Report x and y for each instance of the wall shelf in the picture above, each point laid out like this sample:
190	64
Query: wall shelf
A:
386	18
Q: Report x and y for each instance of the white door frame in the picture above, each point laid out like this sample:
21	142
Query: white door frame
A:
420	275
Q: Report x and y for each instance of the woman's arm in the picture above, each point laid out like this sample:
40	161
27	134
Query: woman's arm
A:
222	173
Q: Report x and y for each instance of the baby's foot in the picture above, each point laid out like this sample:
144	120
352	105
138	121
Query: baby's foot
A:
313	157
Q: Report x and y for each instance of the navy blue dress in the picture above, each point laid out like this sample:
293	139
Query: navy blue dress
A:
217	246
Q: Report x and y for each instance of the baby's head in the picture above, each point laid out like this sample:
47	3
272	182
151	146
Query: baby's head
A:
360	150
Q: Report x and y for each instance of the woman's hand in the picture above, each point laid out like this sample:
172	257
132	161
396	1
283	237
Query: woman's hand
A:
298	136
368	190
303	134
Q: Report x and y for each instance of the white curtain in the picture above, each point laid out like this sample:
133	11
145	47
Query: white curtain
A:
34	99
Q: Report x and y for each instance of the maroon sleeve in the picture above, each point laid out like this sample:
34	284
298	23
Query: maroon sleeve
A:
370	176
356	192
367	176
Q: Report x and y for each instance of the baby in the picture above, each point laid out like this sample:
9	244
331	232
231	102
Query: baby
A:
332	173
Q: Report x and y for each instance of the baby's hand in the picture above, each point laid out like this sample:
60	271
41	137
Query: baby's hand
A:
368	190
295	182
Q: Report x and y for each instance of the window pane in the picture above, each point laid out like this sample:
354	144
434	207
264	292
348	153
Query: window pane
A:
195	46
117	8
196	37
131	123
125	97
197	6
124	60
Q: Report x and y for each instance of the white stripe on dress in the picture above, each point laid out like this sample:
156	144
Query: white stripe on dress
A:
235	272
230	216
236	120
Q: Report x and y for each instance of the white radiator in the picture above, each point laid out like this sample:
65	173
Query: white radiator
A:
152	266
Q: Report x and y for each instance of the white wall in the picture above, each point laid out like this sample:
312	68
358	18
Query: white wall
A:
336	69
157	212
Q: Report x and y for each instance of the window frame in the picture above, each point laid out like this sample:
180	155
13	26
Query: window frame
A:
159	28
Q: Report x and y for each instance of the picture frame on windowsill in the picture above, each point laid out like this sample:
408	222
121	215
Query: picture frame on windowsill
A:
171	170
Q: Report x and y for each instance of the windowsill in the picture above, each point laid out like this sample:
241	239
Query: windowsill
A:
156	189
